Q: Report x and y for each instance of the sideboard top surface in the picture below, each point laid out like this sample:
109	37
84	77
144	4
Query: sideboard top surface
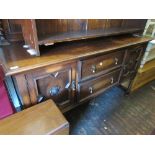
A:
15	59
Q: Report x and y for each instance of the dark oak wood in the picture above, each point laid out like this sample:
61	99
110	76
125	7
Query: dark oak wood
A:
54	82
15	55
50	31
12	29
93	87
131	65
72	72
30	33
98	64
42	119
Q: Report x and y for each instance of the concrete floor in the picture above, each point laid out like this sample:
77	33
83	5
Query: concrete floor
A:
113	113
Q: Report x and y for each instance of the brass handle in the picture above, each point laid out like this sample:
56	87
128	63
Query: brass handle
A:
101	63
91	90
116	61
73	85
112	80
93	68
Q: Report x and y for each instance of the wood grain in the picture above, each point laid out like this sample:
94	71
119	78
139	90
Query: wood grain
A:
42	119
92	87
12	29
16	55
101	63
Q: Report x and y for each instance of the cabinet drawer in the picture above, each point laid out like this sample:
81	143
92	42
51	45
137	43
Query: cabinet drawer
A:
102	63
95	86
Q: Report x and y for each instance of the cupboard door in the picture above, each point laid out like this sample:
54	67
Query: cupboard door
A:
52	82
132	59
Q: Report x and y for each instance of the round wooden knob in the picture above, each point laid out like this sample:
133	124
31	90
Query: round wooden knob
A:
54	90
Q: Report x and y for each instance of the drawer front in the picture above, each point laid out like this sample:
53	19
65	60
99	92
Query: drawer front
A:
93	87
102	63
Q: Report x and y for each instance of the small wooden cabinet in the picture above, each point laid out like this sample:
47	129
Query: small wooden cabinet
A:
72	83
105	53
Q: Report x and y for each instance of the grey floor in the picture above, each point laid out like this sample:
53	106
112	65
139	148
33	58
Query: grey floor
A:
113	113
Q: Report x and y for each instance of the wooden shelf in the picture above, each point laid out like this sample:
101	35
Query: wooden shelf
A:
70	36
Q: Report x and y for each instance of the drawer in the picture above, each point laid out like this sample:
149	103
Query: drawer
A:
97	85
102	63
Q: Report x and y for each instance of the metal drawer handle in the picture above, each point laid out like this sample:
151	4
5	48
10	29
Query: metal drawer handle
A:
112	80
93	68
90	90
116	61
73	85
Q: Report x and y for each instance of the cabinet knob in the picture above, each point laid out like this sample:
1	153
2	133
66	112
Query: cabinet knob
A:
93	68
116	61
101	63
112	80
91	90
55	90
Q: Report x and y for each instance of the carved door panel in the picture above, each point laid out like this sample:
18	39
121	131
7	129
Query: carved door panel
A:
132	58
55	82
